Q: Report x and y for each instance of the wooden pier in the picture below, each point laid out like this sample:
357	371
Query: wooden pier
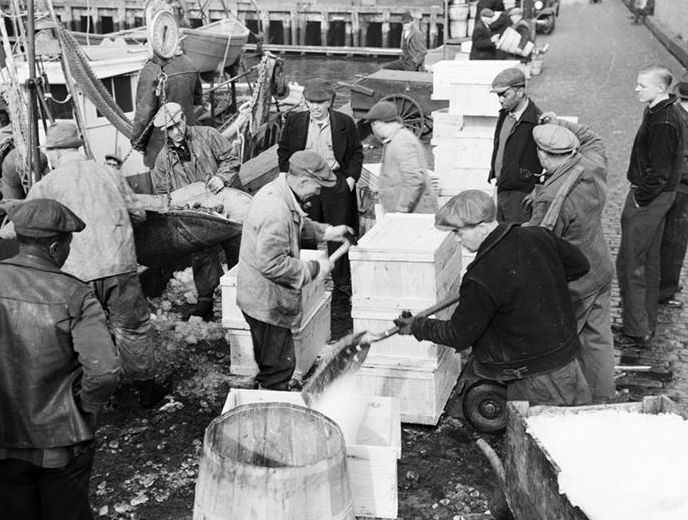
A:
333	23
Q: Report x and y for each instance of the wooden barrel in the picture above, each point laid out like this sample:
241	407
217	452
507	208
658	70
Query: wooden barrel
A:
273	461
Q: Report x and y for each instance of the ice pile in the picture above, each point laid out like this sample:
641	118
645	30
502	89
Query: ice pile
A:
619	465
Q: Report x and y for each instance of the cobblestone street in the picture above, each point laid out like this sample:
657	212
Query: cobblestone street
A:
590	72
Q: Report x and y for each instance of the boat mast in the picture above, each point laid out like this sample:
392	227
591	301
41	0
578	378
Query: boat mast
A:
32	155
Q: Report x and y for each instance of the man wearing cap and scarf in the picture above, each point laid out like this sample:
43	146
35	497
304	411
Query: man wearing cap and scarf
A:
515	310
515	164
163	80
654	172
334	136
675	237
103	255
413	48
196	154
58	367
404	183
271	272
570	203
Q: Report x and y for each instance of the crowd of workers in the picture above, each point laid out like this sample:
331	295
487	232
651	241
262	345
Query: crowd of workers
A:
535	302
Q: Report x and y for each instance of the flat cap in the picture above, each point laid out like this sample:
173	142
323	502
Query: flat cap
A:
555	139
113	157
508	78
169	114
406	17
468	208
515	11
64	134
384	111
42	218
318	90
486	12
310	163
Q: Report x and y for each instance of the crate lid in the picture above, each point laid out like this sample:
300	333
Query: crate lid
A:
403	237
229	278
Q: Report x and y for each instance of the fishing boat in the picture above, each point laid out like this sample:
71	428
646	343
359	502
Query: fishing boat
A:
215	44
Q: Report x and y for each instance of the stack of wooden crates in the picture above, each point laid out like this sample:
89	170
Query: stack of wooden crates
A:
463	134
309	337
404	263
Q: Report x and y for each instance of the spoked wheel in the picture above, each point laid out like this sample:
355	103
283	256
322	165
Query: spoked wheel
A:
410	112
484	406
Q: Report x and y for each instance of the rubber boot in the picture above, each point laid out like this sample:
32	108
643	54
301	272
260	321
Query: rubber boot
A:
204	309
151	392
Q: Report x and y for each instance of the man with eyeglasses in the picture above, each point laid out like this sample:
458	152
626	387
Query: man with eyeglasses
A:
515	309
334	137
515	164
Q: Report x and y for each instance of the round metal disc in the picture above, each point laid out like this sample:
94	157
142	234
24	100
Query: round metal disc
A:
163	34
484	406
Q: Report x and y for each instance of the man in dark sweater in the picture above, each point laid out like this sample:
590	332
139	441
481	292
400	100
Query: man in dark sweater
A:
515	309
654	172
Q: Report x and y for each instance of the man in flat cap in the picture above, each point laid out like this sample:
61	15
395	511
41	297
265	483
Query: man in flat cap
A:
515	310
173	79
413	47
58	367
271	272
675	237
485	35
654	172
515	164
404	182
570	203
103	255
334	136
196	154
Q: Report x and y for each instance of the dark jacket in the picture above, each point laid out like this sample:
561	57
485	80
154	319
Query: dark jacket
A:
182	85
495	5
413	48
346	144
520	164
683	183
657	153
515	309
580	218
482	48
57	360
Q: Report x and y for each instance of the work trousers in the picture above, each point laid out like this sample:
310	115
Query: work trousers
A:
273	349
674	245
510	207
565	386
336	206
401	64
596	356
638	263
207	266
128	318
29	492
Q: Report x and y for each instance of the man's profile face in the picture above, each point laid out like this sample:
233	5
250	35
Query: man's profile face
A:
648	88
469	237
510	98
177	132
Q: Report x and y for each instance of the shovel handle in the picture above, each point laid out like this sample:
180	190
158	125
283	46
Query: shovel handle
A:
340	252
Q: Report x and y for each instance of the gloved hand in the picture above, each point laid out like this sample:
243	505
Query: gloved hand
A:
337	233
547	117
215	184
404	322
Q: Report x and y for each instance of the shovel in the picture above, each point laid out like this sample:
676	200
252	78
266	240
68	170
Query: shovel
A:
349	353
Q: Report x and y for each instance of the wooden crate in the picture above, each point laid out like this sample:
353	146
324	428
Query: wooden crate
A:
372	447
463	151
423	386
532	487
311	294
404	259
472	72
309	339
446	125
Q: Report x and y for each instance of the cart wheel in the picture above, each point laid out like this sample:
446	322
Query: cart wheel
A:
410	112
484	406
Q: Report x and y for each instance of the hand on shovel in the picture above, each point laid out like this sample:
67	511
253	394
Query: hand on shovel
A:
404	322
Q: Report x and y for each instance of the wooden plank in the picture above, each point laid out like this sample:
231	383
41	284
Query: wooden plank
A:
257	172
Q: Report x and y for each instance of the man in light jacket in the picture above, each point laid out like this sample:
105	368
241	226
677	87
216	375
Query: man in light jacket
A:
404	183
271	272
570	203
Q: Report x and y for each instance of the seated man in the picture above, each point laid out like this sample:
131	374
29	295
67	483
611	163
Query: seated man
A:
413	48
515	309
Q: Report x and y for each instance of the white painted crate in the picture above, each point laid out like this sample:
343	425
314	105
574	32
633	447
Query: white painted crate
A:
404	258
309	339
446	74
373	446
311	294
463	150
446	125
422	386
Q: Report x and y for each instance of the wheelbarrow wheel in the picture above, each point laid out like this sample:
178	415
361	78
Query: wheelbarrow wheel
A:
410	112
484	406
